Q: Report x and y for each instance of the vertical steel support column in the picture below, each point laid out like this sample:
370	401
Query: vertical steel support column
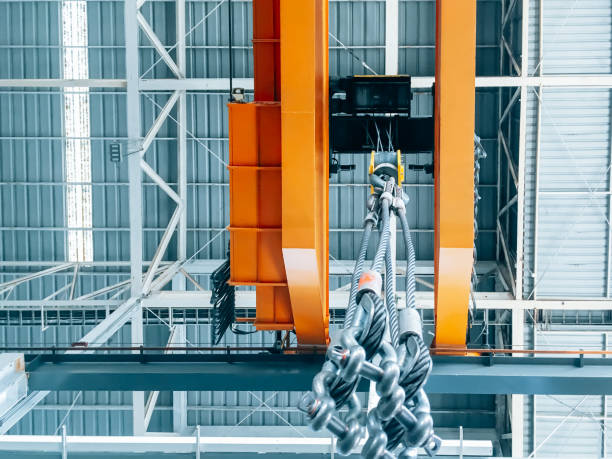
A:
181	59
135	188
520	209
179	398
305	151
518	414
454	167
138	397
518	315
391	37
604	401
134	145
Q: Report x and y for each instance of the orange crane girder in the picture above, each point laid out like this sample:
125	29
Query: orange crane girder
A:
305	164
279	171
454	168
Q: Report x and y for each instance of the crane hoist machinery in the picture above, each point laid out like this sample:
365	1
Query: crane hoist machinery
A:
283	147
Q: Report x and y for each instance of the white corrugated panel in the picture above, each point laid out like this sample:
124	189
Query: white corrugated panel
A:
575	140
566	426
566	242
577	36
571	252
608	419
570	339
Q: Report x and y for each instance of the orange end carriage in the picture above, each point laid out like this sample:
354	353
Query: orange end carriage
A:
279	172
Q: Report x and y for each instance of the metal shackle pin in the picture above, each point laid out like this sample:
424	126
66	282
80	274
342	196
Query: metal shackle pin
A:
322	415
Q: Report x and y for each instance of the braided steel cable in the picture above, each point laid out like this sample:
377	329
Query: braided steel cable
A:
479	153
374	329
361	258
410	259
385	235
390	298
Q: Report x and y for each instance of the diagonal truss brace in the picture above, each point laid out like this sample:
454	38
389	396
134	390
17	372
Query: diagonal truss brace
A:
20	280
157	44
150	172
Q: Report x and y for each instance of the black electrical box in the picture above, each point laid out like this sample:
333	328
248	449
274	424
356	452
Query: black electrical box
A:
371	94
372	113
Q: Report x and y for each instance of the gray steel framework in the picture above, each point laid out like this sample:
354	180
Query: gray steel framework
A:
146	288
204	372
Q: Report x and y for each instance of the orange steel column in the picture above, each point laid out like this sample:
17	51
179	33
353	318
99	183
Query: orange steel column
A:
305	150
255	179
454	167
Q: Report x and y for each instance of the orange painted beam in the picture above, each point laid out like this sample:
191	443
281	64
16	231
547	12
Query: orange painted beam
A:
255	179
305	149
454	168
266	49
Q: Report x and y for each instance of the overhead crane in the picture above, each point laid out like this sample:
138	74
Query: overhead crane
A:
280	157
279	164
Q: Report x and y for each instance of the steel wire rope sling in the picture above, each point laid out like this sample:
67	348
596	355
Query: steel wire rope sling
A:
401	422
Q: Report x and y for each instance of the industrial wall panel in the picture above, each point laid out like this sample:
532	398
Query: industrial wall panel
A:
30	39
567	179
577	37
208	44
31	149
488	27
574	140
106	39
357	34
161	18
417	38
31	198
572	250
566	426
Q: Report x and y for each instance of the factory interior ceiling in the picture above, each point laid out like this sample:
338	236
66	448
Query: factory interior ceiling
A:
94	121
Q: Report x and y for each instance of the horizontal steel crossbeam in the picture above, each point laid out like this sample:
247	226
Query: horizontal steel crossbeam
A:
199	372
243	442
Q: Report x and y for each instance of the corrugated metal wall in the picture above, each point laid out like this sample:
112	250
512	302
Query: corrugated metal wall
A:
568	255
30	134
567	426
567	186
575	35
